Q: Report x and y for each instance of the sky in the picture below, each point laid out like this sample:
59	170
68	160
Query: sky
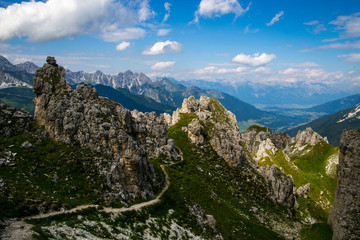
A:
235	41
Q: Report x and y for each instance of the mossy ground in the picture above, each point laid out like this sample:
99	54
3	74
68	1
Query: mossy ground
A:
48	174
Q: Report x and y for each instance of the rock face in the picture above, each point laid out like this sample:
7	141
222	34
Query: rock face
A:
14	121
344	216
157	141
224	134
282	186
102	126
259	139
308	136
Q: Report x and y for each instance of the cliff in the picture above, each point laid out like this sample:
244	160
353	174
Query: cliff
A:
103	126
344	216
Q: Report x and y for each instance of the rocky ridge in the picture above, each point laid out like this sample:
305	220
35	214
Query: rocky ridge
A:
224	133
344	216
128	79
102	126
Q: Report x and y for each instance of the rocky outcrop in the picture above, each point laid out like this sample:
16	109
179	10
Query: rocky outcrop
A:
13	121
282	186
308	137
102	126
196	132
223	132
303	190
344	216
255	135
157	141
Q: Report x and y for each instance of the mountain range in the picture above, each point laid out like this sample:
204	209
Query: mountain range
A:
262	95
333	125
85	167
137	91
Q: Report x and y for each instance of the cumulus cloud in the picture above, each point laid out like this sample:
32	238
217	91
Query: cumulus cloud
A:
167	14
163	47
254	60
216	70
351	58
163	32
275	19
162	65
122	46
55	19
349	26
217	8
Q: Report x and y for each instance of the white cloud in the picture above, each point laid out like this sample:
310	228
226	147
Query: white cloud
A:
144	12
348	25
263	70
122	46
275	19
163	47
40	21
217	8
248	30
22	60
351	58
162	65
167	14
315	22
216	70
254	60
310	75
305	64
163	32
114	34
315	26
345	45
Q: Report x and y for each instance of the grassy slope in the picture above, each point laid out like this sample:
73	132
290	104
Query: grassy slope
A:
48	175
309	167
19	97
202	179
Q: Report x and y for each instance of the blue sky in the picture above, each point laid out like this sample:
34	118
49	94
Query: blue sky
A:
270	42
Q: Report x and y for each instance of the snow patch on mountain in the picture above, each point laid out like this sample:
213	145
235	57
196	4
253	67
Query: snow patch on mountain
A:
353	114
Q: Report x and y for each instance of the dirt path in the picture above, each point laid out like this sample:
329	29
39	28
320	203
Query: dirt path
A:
19	230
136	207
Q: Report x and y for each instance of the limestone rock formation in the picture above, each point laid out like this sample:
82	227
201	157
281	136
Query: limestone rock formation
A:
344	216
224	134
308	137
103	126
157	141
282	186
255	135
13	121
303	190
196	132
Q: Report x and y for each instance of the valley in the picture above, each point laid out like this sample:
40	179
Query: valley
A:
85	167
